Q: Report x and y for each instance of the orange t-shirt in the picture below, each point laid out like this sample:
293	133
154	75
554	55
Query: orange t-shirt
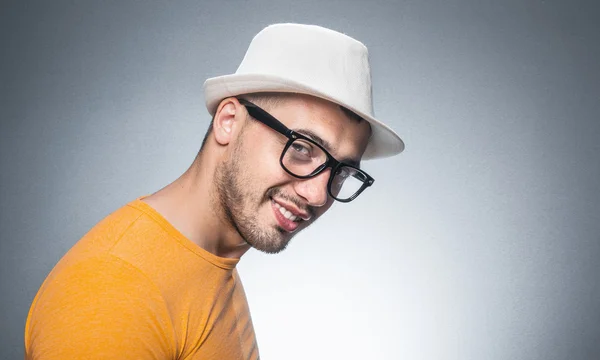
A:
135	288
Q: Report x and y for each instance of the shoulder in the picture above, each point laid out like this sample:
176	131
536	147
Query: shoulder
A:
95	278
102	298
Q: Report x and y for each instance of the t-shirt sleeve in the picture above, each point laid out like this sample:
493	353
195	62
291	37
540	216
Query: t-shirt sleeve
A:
102	308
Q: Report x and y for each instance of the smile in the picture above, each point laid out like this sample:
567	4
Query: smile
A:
286	213
285	218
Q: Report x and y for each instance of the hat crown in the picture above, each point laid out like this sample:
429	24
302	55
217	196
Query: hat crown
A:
313	60
326	60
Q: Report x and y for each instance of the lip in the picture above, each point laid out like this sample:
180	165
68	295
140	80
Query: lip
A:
293	209
286	224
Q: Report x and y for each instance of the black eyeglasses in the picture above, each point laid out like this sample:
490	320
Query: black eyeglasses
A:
303	158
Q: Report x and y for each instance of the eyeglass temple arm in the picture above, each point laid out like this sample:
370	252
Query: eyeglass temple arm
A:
266	118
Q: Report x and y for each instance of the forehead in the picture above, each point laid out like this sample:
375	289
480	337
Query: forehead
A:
344	137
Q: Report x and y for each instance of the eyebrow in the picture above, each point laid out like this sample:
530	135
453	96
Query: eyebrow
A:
324	143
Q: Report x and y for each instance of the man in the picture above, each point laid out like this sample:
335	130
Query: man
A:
156	279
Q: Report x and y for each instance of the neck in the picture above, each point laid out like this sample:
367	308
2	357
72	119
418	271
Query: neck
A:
191	205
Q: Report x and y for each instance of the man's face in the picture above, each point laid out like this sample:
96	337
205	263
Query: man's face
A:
256	192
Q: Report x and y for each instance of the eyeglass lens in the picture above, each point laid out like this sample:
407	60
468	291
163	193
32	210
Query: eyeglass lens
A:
302	158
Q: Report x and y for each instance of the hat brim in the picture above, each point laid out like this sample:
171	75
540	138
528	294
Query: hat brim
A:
384	142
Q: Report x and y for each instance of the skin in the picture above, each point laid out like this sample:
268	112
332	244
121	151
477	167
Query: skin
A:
223	202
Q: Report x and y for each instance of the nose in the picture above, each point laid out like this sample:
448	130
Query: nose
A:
314	190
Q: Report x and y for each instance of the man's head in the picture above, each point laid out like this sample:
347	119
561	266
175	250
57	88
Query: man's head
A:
274	155
256	195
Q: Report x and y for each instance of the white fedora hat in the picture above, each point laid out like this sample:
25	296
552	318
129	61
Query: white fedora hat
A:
311	60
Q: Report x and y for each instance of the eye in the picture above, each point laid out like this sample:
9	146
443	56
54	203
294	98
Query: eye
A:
302	148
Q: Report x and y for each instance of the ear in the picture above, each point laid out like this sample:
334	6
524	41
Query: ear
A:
226	121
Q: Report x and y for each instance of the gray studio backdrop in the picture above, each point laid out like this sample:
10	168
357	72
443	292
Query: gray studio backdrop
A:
481	241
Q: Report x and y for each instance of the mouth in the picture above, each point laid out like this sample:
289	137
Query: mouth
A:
285	218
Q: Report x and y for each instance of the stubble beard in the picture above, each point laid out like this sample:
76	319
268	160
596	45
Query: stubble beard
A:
235	199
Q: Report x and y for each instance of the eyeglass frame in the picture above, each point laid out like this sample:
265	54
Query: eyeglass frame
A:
261	115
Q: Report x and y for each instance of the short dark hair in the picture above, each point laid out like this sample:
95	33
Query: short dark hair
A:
269	100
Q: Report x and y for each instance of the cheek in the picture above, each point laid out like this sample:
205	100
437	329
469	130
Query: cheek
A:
262	163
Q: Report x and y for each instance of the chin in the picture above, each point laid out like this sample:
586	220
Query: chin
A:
270	246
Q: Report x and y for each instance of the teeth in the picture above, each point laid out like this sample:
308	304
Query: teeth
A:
286	213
